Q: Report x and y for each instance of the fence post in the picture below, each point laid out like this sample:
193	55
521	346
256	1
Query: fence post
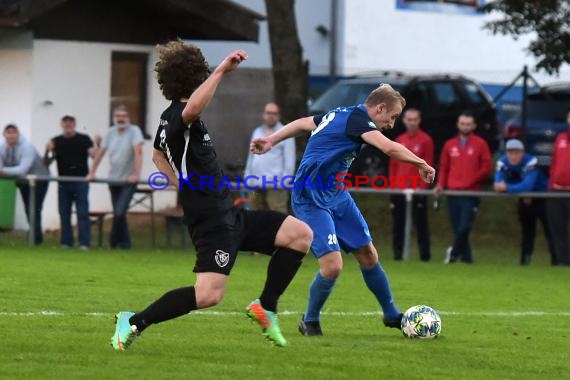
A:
32	209
153	237
409	193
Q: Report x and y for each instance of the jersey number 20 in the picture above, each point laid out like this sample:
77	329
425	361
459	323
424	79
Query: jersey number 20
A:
332	239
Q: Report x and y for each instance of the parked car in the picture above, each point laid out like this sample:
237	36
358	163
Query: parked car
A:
547	109
440	98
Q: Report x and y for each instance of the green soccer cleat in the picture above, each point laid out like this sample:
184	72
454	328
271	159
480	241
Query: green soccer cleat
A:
268	322
125	334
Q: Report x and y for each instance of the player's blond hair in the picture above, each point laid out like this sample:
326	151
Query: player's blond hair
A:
385	94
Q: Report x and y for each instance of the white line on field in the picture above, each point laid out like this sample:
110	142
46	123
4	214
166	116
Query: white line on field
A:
51	313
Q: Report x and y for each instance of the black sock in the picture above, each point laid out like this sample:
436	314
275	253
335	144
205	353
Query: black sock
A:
282	268
173	304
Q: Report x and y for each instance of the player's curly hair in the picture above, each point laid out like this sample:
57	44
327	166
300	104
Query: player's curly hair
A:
181	68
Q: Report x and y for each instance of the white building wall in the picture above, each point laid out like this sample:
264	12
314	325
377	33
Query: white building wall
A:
16	89
377	36
75	78
309	14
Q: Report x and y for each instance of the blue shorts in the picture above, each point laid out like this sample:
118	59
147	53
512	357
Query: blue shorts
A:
341	226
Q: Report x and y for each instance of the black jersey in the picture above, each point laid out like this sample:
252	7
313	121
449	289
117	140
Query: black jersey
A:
191	153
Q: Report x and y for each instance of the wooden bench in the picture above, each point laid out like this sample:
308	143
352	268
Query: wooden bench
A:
97	218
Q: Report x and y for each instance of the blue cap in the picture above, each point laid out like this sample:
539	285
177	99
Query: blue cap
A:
514	144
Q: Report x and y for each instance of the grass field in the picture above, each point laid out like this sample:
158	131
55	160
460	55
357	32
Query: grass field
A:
500	320
56	317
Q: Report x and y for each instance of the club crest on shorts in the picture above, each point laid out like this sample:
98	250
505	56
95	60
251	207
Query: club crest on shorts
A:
222	258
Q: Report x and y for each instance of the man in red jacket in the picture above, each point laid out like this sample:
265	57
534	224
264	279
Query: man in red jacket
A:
421	144
464	164
558	209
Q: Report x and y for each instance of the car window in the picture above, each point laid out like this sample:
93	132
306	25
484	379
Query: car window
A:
554	110
344	94
473	93
445	93
417	96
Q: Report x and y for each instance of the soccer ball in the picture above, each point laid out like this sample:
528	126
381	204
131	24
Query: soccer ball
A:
421	322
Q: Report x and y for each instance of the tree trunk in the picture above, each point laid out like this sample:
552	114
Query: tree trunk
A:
290	72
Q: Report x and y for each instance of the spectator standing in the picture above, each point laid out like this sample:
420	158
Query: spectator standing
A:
276	164
124	143
465	163
558	209
421	145
18	157
517	172
71	151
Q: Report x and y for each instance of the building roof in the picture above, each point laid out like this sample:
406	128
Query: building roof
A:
131	21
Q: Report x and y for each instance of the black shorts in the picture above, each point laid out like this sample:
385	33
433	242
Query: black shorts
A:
218	239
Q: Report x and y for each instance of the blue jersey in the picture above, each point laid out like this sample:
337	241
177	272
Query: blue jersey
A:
524	177
332	147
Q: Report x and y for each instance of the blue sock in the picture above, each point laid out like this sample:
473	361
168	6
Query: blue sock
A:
319	292
377	281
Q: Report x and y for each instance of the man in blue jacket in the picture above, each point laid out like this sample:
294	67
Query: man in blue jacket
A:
517	172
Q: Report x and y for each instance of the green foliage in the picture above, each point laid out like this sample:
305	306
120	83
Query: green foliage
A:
548	19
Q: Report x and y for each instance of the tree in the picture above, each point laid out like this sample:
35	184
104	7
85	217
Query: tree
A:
290	72
548	19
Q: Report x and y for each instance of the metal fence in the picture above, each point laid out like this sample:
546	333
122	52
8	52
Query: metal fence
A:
408	193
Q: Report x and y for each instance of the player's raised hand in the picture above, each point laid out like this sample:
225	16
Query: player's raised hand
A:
427	173
232	61
261	145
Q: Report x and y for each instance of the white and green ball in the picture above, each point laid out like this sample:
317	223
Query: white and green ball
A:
421	322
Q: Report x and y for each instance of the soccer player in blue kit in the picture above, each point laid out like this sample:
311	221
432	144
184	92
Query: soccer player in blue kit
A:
319	197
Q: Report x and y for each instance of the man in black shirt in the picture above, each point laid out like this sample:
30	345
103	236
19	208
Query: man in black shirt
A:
71	151
218	229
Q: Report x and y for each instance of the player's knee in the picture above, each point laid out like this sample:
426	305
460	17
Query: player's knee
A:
208	297
368	261
367	256
305	237
296	235
332	270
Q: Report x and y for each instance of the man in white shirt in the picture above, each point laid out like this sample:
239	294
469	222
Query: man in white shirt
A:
272	167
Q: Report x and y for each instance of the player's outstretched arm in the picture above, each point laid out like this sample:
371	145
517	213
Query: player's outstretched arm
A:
202	96
295	128
399	152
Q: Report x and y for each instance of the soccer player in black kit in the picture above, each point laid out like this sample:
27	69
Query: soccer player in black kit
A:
183	149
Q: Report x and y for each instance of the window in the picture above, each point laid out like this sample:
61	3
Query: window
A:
473	93
129	86
417	97
344	94
445	93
